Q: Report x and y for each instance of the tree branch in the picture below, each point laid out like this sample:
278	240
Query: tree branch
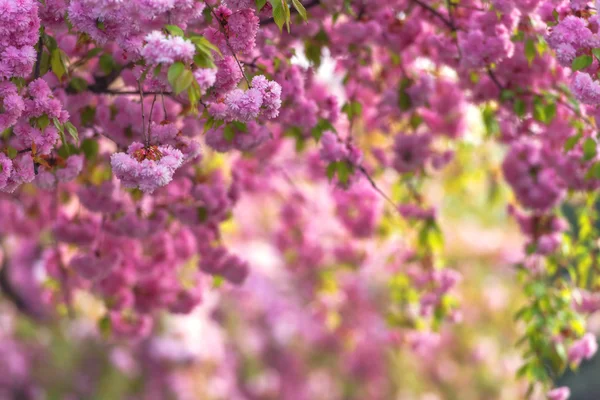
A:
376	188
437	14
38	59
223	30
494	78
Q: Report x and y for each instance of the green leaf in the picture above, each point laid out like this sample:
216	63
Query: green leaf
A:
344	171
105	327
589	149
507	94
50	43
594	171
183	82
322	126
194	94
313	52
474	77
550	111
57	63
430	237
175	30
61	132
352	109
489	120
94	52
530	51
90	148
202	213
11	152
218	281
582	62
209	124
204	44
72	131
43	121
357	108
63	140
58	125
296	133
175	71
281	13
78	84
348	7
519	36
555	15
313	47
572	141
260	4
539	112
203	61
404	101
415	120
596	53
331	169
300	8
240	126
229	133
523	371
107	63
519	107
144	75
45	63
65	151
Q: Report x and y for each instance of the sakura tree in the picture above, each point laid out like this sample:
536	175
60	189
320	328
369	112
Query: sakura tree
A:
271	163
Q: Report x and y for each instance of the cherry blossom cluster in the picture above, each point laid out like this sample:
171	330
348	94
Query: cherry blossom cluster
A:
147	146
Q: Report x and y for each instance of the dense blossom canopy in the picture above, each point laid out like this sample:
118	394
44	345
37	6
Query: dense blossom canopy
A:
141	138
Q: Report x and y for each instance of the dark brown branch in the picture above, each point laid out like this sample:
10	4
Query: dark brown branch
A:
437	14
129	92
150	122
102	83
376	188
474	8
162	98
143	115
494	78
38	59
11	293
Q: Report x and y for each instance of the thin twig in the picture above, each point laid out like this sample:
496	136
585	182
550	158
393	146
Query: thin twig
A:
435	12
564	103
162	95
224	31
577	112
469	7
143	115
449	7
10	292
129	92
150	122
494	78
38	60
377	189
453	23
